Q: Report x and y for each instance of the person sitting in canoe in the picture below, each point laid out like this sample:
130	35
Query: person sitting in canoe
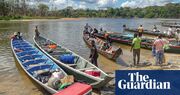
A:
37	32
140	30
94	54
106	35
155	29
17	35
105	47
95	30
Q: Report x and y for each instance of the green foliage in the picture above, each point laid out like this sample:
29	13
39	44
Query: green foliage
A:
43	9
10	10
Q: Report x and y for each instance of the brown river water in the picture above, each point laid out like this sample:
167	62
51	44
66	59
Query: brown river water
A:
14	81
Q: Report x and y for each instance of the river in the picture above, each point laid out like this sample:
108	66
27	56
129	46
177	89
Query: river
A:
13	81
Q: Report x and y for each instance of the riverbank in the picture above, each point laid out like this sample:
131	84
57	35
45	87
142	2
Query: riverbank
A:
28	18
39	18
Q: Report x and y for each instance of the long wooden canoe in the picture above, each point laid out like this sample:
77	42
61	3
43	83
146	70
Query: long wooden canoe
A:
175	25
146	42
38	66
78	68
112	53
148	32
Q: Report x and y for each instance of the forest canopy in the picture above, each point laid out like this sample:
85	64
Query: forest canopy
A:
20	10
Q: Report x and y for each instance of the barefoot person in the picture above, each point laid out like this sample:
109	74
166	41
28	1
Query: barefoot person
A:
136	46
94	54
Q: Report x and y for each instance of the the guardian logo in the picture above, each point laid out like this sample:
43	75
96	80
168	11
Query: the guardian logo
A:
138	81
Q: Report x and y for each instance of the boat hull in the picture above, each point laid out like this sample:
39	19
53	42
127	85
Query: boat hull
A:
172	49
79	76
107	55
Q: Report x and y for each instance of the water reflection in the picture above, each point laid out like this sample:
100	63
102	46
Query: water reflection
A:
69	34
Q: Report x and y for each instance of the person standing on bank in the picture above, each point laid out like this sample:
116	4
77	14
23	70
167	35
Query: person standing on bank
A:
140	30
94	54
37	32
136	46
158	45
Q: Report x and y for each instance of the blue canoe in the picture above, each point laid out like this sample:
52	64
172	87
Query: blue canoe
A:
35	63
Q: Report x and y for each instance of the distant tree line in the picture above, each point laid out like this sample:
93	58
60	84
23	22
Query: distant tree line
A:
17	9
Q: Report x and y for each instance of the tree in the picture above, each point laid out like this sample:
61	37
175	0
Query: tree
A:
43	9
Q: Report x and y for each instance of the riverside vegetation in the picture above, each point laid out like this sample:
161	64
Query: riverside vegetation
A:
20	9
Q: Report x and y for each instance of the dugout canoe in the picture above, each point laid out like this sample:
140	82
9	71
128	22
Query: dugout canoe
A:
174	25
174	46
78	68
148	32
39	67
112	53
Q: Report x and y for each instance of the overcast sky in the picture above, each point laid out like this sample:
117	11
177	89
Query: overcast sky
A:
95	4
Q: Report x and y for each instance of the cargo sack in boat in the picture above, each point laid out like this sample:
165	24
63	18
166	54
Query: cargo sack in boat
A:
67	58
53	46
68	80
93	73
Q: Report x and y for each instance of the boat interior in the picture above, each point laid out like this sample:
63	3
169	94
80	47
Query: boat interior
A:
76	62
34	62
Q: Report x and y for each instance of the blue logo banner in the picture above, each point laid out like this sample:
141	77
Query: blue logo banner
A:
147	82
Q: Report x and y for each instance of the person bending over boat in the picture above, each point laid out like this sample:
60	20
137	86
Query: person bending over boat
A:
158	44
37	32
94	54
140	30
136	46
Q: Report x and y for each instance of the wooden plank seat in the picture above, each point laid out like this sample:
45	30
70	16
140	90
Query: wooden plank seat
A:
30	57
23	43
72	65
23	46
36	61
23	53
37	68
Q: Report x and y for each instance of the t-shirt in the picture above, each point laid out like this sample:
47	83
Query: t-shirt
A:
159	44
140	29
137	43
